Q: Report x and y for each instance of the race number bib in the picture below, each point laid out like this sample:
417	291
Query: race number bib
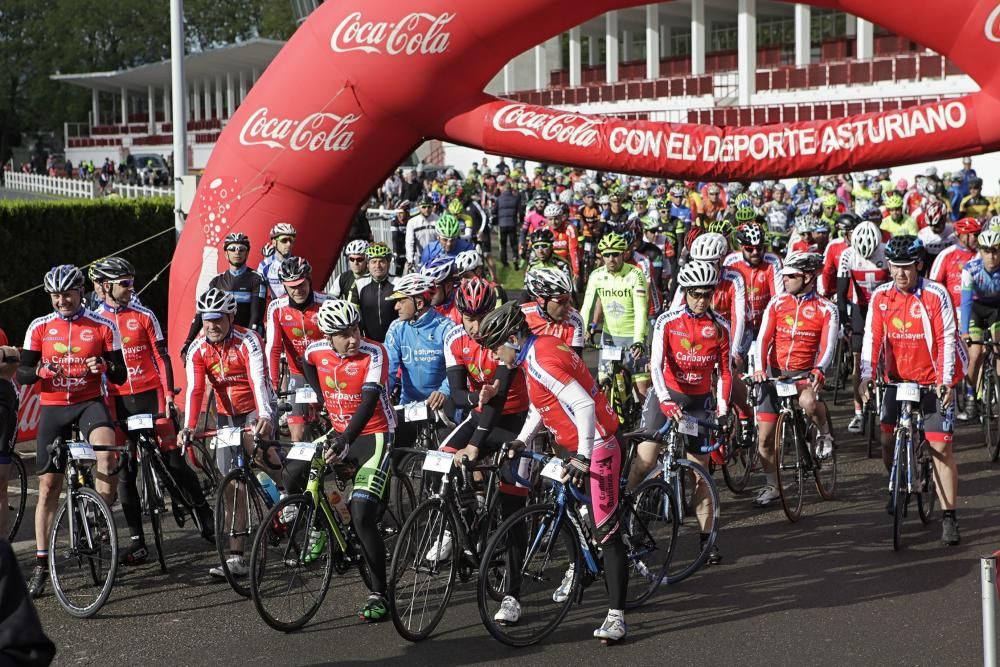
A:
305	395
785	389
687	426
609	353
554	470
302	451
82	451
436	461
908	391
415	412
139	422
228	436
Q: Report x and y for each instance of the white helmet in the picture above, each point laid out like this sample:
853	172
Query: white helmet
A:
698	274
215	300
993	223
865	239
336	315
282	229
412	284
709	247
439	269
547	282
468	260
63	278
356	247
553	210
989	238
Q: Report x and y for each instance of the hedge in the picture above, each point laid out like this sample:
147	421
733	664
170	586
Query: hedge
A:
40	234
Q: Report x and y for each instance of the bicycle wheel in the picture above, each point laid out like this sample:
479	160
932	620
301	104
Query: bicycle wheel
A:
410	466
899	494
203	462
740	460
788	466
649	529
990	411
83	554
824	470
402	501
153	506
17	495
928	490
537	548
870	420
239	510
422	575
696	498
291	564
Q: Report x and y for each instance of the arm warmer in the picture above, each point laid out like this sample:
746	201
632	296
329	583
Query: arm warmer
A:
492	410
26	371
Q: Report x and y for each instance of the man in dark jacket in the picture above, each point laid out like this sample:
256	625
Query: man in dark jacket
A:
510	211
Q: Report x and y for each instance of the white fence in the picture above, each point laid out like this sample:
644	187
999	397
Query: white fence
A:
74	187
378	219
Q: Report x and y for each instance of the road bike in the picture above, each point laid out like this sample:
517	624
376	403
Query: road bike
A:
988	396
912	472
17	494
619	388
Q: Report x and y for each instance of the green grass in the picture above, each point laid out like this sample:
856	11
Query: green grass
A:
509	278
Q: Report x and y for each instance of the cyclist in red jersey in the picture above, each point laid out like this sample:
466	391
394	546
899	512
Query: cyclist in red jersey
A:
565	244
351	373
71	351
552	312
290	325
565	399
798	334
911	327
827	283
759	269
947	268
689	344
149	390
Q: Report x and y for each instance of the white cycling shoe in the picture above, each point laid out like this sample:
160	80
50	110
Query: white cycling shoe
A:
613	629
237	567
510	611
766	496
561	594
440	551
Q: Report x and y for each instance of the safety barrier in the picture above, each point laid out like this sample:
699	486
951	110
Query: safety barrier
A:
79	188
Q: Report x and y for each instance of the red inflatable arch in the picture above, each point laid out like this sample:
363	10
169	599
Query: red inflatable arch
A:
362	83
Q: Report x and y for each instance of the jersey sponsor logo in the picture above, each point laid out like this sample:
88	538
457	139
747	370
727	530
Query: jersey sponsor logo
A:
883	307
417	33
604	291
900	325
325	362
351	368
53	331
708	331
288	317
68	383
132	325
809	312
86	335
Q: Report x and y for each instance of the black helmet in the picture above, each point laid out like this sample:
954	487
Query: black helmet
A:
111	268
543	236
236	238
500	324
847	221
294	268
904	249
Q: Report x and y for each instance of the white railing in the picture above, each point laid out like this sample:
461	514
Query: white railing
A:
74	187
378	219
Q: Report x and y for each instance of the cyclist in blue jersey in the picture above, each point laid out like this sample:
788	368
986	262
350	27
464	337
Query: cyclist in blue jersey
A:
282	242
980	307
448	243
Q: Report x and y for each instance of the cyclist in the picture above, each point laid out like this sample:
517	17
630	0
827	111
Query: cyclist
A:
895	221
290	327
230	358
357	270
441	273
95	297
845	224
540	254
372	298
534	218
911	327
397	231
469	264
448	242
616	214
683	380
283	240
351	374
759	270
564	399
798	333
421	230
647	257
947	268
979	308
974	205
640	205
564	243
862	268
938	234
71	351
552	312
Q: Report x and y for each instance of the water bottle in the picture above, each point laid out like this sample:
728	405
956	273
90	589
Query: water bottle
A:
339	503
269	488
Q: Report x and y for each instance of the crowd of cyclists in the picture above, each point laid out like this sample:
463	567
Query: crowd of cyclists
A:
705	292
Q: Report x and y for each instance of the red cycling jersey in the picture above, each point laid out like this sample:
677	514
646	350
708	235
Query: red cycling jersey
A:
644	264
865	274
290	329
797	333
762	282
685	351
570	330
342	380
141	338
947	270
729	301
827	285
68	342
565	246
237	371
481	368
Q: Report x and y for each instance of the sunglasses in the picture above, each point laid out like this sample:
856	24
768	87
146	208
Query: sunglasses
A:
356	259
284	239
124	282
792	276
611	254
701	294
236	248
562	298
752	248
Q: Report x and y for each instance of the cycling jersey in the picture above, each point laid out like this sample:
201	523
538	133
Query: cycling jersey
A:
344	285
249	289
268	270
481	368
974	206
935	243
915	333
377	313
730	302
68	342
827	281
761	282
862	275
415	350
947	270
290	327
652	268
552	262
144	350
978	286
342	380
533	221
237	371
435	249
623	297
685	351
570	330
420	233
905	226
565	245
797	333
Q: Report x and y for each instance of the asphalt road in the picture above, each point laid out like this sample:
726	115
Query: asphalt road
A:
828	590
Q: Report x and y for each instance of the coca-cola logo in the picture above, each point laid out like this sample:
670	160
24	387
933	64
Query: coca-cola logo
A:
992	26
562	128
416	33
320	131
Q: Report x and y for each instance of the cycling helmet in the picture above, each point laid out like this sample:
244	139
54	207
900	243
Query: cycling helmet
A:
805	224
631	231
698	274
969	226
994	223
893	201
830	201
542	237
678	191
649	223
214	302
734	189
63	278
640	195
448	226
746	213
337	315
540	196
111	268
553	210
709	247
976	183
282	229
934	212
412	285
612	241
750	234
499	325
847	222
866	239
377	250
756	190
989	239
356	248
821	227
802	262
872	214
294	269
547	283
468	260
906	249
455	206
236	238
439	269
604	200
932	188
475	296
723	227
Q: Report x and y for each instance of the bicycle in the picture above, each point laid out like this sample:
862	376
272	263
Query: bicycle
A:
740	457
409	465
83	541
301	540
988	396
912	468
619	388
17	495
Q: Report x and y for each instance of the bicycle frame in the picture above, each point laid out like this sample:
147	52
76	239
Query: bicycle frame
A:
909	425
314	489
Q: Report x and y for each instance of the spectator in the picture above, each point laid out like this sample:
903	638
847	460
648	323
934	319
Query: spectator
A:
413	189
965	176
510	211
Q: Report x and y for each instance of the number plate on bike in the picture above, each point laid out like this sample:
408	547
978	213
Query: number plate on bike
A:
415	412
438	461
139	422
687	426
82	451
305	395
302	451
908	391
611	353
228	436
784	389
554	470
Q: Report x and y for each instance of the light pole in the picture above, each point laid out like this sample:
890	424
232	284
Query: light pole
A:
178	102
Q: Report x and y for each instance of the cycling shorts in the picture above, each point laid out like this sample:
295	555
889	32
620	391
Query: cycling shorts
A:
299	410
486	243
605	485
227	458
8	420
56	421
858	316
368	456
983	317
638	368
699	406
505	430
145	403
937	427
768	401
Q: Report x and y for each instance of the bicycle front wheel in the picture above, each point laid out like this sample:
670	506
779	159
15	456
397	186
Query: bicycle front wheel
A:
239	510
422	573
153	506
788	466
824	470
740	460
696	499
17	496
649	529
871	425
83	553
900	497
990	407
291	563
538	556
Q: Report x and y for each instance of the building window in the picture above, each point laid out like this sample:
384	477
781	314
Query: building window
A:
723	37
828	24
680	43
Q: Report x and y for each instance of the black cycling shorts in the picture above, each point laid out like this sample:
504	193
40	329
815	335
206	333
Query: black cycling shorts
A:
858	316
486	242
56	421
699	406
982	318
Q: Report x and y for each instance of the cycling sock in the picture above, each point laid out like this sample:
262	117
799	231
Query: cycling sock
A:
771	478
704	538
857	412
42	557
616	613
948	514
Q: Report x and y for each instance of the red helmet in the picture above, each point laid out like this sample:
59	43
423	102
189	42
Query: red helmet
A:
934	211
967	226
475	296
